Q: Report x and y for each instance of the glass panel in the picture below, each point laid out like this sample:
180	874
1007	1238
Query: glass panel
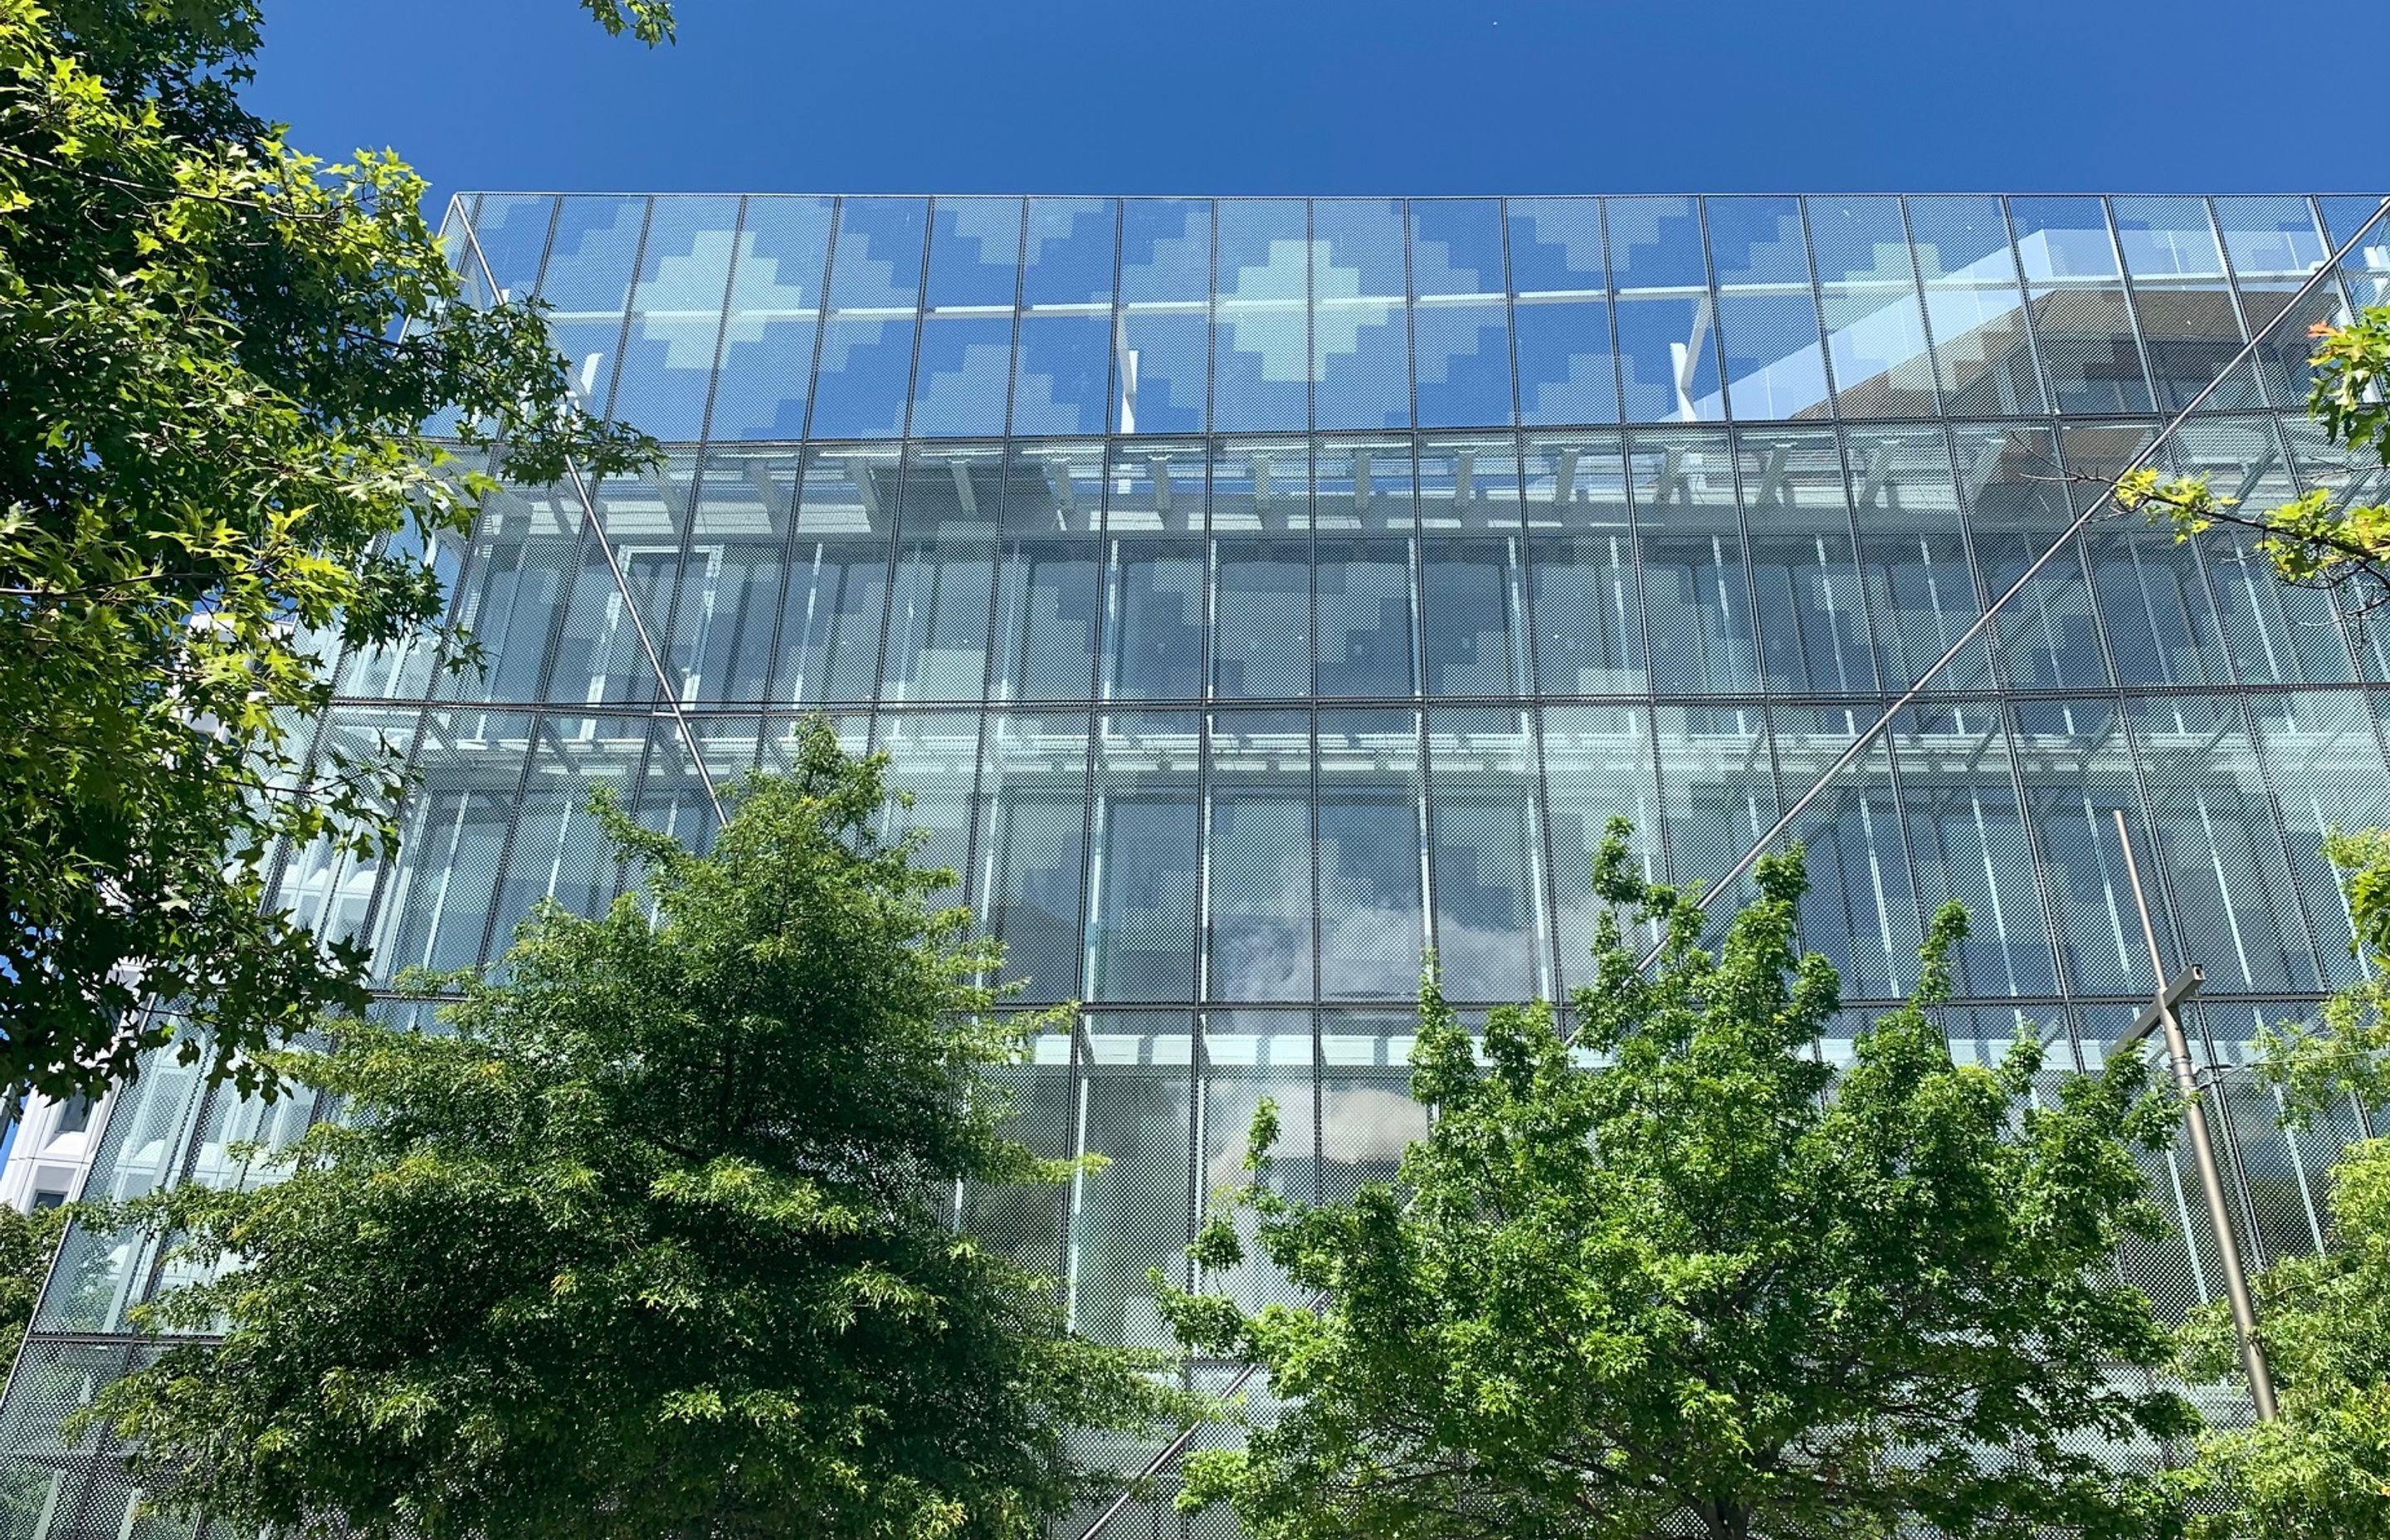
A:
2188	319
2327	773
1141	935
729	607
2274	632
767	340
522	556
1486	853
676	316
1364	617
1262	351
587	283
2078	770
1461	323
1164	338
1153	609
1983	352
1875	325
600	656
2366	269
557	851
1367	1118
1767	316
1696	595
2274	245
1360	351
1597	766
2016	507
2223	857
1588	615
1132	1213
1363	486
434	903
1262	641
1024	1222
1813	623
1912	549
938	611
510	230
933	758
1370	845
1859	910
1248	1055
2078	306
1033	848
2150	587
838	579
1258	916
1717	780
1666	348
1046	583
866	350
1967	836
1568	366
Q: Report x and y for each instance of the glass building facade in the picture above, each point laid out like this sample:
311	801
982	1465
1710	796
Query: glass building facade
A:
1259	594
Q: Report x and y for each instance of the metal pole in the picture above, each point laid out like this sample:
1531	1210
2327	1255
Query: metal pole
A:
2202	1151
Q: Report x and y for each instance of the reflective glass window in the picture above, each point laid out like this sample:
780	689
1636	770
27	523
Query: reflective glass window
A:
2080	315
2014	494
1667	331
768	335
586	284
865	367
676	316
2189	322
1460	322
1032	852
1047	564
1813	619
1696	592
1984	360
1360	346
828	646
1859	909
1263	360
1146	817
940	605
1568	368
724	621
1597	766
1258	906
1162	377
1767	316
1063	372
1875	322
1370	837
1486	854
1967	839
1921	588
1588	610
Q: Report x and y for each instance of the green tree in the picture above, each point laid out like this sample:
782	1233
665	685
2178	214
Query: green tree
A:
2321	1469
216	359
651	1243
27	1243
1682	1273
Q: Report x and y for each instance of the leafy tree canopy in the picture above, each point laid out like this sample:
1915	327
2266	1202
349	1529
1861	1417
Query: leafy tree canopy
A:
1684	1276
651	1244
2321	1469
216	359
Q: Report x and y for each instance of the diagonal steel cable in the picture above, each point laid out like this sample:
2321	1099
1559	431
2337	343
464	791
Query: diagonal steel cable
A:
1850	756
596	528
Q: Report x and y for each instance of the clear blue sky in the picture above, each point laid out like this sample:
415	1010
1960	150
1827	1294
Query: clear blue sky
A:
1332	96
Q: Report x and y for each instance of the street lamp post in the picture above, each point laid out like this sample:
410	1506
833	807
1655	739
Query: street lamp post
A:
2160	1013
